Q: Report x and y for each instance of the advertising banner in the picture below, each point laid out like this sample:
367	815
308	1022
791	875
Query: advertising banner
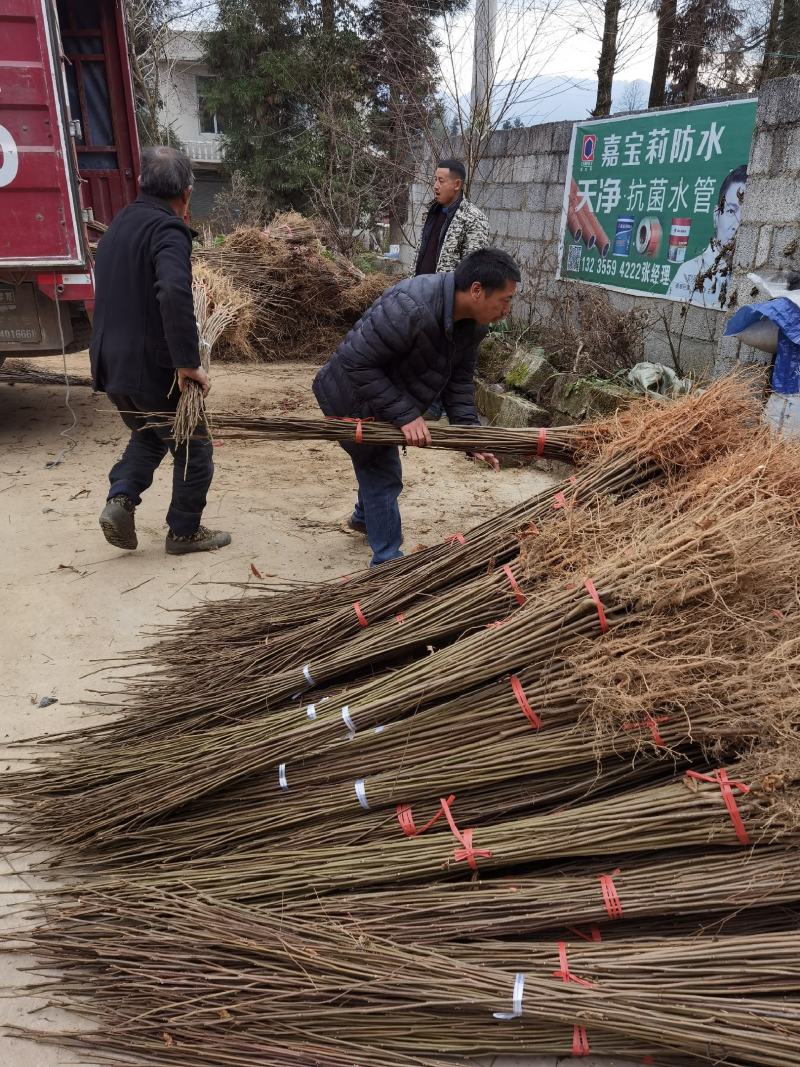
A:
653	201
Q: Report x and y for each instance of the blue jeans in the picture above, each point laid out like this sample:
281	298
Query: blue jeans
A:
380	482
133	473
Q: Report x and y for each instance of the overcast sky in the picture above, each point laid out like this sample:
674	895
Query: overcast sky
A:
552	38
549	37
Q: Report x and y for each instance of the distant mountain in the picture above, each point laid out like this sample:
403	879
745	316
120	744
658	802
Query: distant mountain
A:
551	98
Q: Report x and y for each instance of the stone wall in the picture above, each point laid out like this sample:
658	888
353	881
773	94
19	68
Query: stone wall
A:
520	185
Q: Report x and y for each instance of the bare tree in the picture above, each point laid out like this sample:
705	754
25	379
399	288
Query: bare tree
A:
150	26
621	30
707	34
633	98
608	59
528	37
667	14
771	42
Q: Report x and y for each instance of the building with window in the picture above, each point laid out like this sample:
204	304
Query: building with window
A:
183	77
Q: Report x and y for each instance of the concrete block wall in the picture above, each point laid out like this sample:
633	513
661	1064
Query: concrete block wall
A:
769	237
519	183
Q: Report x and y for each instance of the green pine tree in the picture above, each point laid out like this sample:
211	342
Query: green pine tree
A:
262	65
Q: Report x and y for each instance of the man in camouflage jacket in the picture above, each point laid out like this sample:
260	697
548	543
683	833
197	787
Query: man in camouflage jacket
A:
453	226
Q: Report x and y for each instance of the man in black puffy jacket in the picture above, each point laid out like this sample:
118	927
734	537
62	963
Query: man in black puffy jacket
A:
419	340
144	341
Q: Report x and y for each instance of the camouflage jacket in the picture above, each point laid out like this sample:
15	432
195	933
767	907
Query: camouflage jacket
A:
468	230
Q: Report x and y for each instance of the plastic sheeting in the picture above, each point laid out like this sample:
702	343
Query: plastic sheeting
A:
656	378
783	414
785	313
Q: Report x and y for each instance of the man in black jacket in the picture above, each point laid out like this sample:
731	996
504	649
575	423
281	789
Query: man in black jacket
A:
417	341
144	341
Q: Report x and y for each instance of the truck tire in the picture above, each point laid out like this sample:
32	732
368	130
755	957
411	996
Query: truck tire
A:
81	331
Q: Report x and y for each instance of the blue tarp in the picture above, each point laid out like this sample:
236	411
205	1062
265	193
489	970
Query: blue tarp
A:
786	316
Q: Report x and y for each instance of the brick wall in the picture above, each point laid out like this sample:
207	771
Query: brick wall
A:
520	185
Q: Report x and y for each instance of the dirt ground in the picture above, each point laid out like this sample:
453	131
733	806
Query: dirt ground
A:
69	599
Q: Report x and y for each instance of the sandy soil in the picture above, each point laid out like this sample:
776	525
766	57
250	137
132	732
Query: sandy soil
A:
68	598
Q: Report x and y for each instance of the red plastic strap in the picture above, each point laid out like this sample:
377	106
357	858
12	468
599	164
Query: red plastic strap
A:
541	442
593	935
455	538
652	725
400	617
647	1060
522	700
580	1042
359	434
610	896
467	853
565	974
406	819
495	625
362	618
517	591
559	501
590	589
727	785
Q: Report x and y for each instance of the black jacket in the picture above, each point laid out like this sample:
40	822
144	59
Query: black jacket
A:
143	325
403	353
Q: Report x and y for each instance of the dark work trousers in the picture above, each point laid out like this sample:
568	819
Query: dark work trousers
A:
379	473
133	473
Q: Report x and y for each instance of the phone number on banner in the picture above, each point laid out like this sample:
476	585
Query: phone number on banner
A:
635	272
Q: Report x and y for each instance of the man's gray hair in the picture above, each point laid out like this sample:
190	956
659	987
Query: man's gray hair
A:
166	172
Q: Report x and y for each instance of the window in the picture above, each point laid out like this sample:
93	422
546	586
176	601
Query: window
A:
210	121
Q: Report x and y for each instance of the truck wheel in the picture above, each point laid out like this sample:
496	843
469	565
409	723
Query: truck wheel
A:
81	332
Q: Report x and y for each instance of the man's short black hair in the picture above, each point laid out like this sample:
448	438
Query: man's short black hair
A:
455	166
492	267
166	172
735	176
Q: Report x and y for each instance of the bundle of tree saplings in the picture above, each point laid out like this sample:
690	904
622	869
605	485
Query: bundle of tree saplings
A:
552	808
575	900
305	298
646	441
220	311
23	372
523	743
159	705
543	443
711	550
196	973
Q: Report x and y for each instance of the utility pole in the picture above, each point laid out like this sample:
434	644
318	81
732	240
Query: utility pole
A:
483	66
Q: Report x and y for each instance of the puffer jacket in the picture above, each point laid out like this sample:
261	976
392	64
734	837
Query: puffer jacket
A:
467	231
403	353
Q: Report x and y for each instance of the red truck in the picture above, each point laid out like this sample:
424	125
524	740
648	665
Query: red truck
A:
69	160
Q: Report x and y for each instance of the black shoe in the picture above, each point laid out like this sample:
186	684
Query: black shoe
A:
202	540
118	524
356	526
